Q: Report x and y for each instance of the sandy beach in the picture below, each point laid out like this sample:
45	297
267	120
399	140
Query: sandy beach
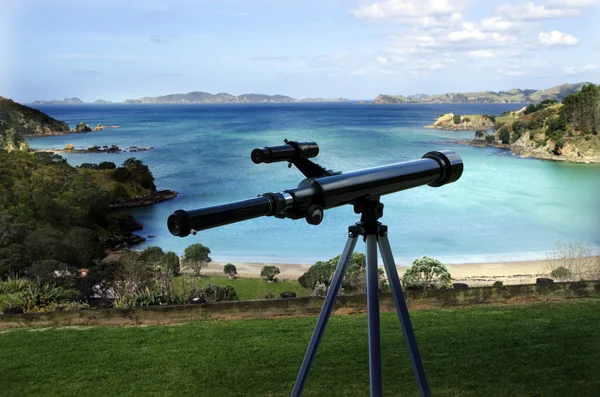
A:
523	272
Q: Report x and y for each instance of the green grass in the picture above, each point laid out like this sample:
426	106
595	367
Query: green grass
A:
256	288
548	349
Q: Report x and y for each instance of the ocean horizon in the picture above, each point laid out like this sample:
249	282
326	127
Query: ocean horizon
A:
503	208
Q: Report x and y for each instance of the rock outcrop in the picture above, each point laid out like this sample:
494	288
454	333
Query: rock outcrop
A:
450	121
82	127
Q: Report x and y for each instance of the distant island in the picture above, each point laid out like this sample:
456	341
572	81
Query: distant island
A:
197	97
205	97
511	96
66	101
566	131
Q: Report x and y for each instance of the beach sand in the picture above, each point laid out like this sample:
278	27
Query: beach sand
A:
523	272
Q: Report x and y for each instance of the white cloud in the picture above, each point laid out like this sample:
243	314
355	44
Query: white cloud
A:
571	70
576	3
529	11
497	24
556	38
428	13
482	54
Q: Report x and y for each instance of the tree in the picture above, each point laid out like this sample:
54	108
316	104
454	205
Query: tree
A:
106	165
504	136
230	270
196	257
171	262
152	255
456	119
479	134
425	272
322	272
269	272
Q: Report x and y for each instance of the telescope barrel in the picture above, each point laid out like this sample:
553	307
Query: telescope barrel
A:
434	169
182	223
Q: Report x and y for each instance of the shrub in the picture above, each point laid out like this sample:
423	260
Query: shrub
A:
319	290
504	136
106	165
425	272
456	119
587	138
479	134
269	272
497	284
466	119
561	273
171	262
230	269
269	295
218	293
490	138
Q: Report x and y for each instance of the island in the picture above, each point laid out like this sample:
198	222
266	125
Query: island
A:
101	102
515	95
66	101
566	131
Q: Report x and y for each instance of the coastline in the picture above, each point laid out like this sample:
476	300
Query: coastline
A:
473	274
523	154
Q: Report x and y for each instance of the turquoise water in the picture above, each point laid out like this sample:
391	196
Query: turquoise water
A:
503	208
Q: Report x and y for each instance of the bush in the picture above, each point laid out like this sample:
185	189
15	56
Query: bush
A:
490	138
587	138
456	119
497	284
269	272
171	261
504	136
425	272
466	119
269	295
106	165
230	269
479	134
561	273
320	290
218	293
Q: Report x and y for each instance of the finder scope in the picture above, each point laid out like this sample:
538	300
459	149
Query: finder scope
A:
285	152
323	190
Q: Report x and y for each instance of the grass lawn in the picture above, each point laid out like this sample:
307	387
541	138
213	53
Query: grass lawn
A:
256	288
543	349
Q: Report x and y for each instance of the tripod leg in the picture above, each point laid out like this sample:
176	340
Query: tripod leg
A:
402	309
334	288
373	317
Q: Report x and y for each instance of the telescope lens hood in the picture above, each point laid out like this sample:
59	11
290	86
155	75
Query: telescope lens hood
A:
257	156
178	223
450	163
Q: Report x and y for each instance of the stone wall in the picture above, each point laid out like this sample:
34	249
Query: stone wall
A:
303	306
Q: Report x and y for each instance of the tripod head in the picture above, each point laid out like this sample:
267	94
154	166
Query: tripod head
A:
322	189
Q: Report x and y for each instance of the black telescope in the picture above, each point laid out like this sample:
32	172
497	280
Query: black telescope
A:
322	189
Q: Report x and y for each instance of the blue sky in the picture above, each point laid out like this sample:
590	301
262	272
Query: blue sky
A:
118	49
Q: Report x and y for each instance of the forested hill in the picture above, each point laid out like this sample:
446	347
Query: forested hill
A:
17	120
511	96
56	215
567	131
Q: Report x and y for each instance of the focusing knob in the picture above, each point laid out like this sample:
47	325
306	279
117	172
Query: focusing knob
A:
314	214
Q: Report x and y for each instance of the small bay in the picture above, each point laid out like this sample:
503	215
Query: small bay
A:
503	208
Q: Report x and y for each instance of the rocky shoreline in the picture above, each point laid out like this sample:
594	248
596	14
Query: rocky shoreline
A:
97	149
142	201
517	151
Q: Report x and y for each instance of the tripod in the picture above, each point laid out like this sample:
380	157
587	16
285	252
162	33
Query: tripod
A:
374	234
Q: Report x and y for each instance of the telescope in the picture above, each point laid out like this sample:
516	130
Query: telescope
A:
324	189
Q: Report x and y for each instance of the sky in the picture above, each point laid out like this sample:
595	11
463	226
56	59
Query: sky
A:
357	49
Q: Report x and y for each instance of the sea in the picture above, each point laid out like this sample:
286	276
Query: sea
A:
503	208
